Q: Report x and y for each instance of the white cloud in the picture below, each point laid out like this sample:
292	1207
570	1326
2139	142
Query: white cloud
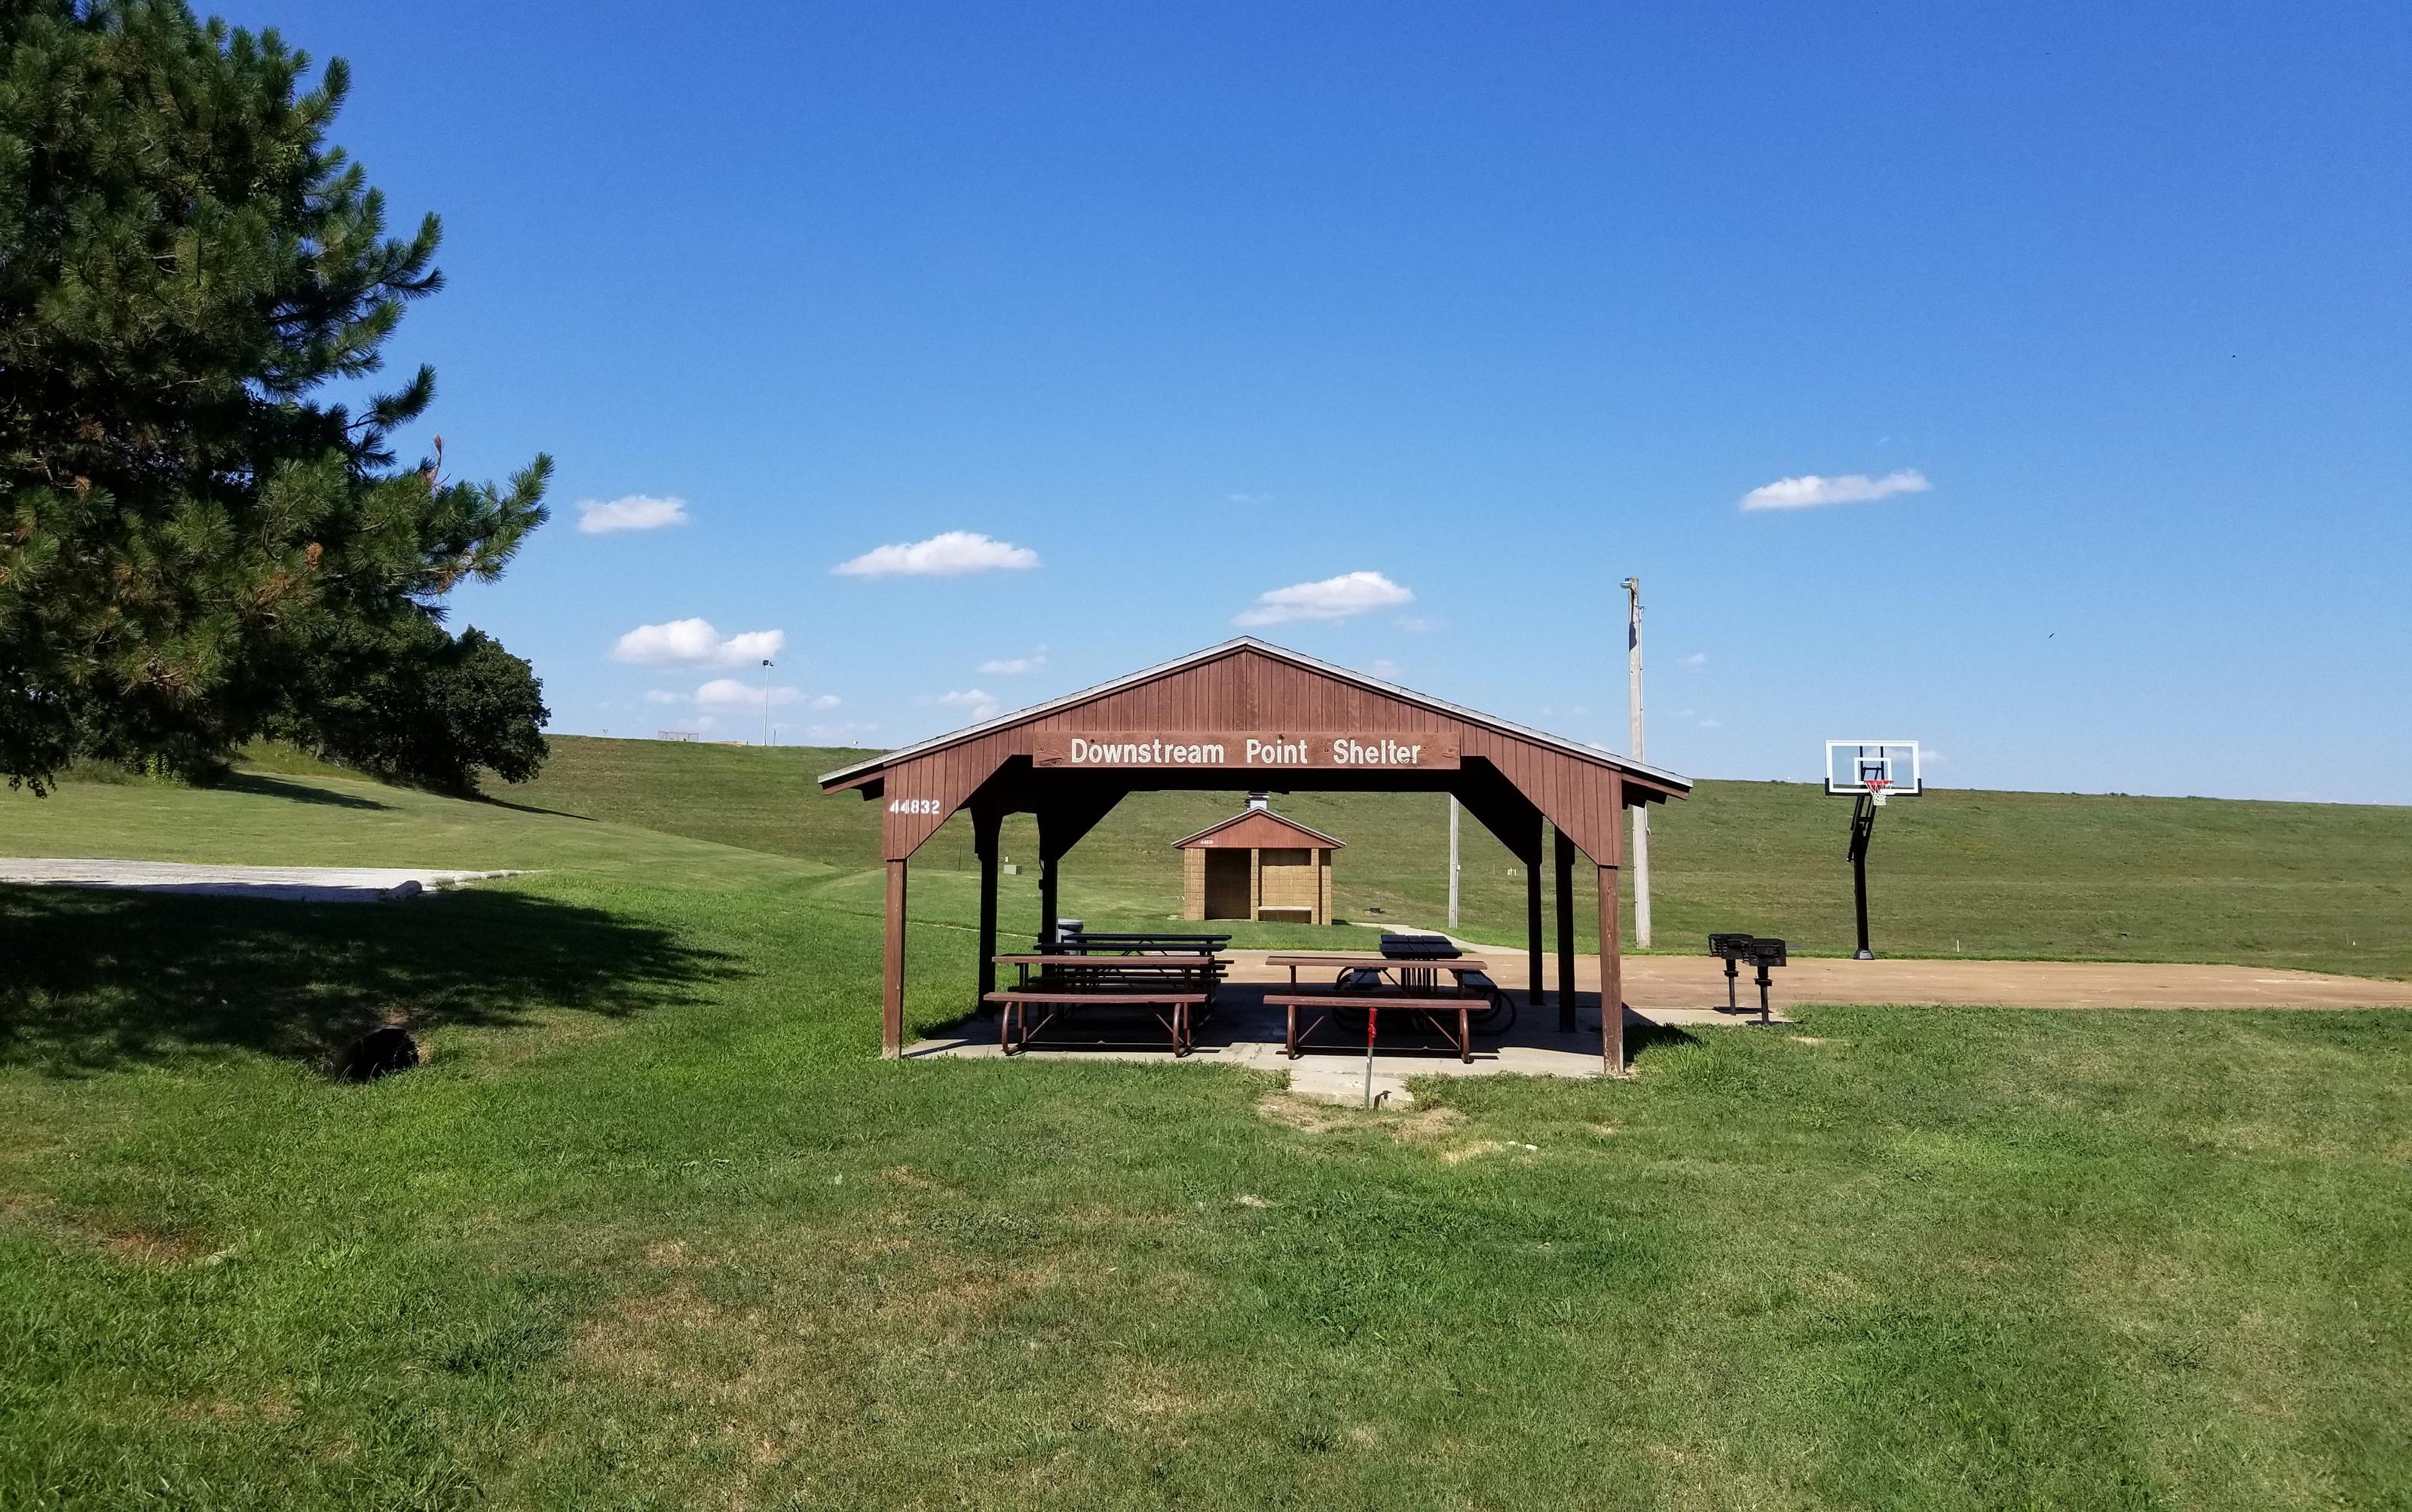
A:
982	705
1418	623
1712	723
1811	492
1247	498
1384	667
1014	666
728	692
632	511
663	696
696	643
824	700
1698	658
1332	598
947	555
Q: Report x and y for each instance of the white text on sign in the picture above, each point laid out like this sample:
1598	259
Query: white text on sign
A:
1280	749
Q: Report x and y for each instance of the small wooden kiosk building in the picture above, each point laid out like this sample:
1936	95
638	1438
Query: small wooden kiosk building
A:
1257	865
1250	715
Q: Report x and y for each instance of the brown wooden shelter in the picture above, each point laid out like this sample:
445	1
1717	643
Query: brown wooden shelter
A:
1250	716
1257	865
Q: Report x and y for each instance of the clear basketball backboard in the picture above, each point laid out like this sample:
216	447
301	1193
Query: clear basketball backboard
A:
1883	769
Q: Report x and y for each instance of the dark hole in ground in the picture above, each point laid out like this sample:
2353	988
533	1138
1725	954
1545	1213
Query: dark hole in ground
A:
380	1052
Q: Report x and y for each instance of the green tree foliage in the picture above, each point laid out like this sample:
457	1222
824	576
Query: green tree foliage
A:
432	710
197	543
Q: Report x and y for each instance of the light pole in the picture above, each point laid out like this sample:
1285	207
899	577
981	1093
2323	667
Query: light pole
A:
766	700
1640	811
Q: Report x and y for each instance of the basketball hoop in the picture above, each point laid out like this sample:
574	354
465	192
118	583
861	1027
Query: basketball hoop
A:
1870	773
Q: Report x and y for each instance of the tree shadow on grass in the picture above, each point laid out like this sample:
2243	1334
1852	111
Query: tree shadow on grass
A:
95	980
532	808
265	786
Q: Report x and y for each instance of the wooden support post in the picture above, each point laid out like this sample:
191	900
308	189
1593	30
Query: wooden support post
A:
892	1026
1565	882
1612	976
1534	990
985	827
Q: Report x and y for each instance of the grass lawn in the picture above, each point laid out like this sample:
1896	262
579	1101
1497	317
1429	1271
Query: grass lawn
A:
654	1228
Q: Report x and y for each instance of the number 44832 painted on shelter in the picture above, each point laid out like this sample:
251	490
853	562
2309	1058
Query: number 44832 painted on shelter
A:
912	805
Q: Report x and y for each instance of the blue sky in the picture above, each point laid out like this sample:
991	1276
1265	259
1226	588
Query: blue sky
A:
1188	306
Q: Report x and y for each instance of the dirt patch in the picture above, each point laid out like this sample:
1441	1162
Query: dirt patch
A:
141	1246
1426	1125
1300	1114
1460	1154
274	1408
1435	1129
147	1248
1422	1126
674	1254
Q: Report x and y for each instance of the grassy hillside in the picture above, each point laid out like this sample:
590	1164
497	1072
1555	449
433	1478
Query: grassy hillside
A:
2047	876
653	1228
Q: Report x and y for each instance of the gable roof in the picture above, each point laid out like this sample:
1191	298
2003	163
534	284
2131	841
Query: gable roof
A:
1316	839
1390	690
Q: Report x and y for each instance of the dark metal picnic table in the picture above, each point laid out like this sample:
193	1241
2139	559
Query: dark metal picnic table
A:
1144	943
1418	992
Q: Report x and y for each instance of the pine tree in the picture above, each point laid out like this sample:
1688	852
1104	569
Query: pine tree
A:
192	534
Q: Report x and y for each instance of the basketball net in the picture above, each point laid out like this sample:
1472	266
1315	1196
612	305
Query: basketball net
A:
1876	787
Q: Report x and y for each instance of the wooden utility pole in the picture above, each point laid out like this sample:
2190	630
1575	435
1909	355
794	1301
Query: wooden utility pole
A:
1640	811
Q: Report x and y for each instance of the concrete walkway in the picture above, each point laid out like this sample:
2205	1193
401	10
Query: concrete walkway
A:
290	884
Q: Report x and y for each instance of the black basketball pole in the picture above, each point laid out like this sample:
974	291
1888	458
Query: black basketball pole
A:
1863	824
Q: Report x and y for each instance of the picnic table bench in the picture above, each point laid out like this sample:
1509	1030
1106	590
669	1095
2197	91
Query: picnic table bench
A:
1418	992
1181	988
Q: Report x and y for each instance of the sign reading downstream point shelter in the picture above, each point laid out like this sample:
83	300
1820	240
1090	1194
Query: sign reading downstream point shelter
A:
1264	752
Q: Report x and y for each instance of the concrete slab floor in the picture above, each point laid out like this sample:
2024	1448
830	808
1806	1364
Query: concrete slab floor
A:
1244	1032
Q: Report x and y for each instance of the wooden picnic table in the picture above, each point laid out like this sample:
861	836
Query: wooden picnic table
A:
1419	993
1181	985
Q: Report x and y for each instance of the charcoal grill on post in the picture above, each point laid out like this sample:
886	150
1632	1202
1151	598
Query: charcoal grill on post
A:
1733	949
